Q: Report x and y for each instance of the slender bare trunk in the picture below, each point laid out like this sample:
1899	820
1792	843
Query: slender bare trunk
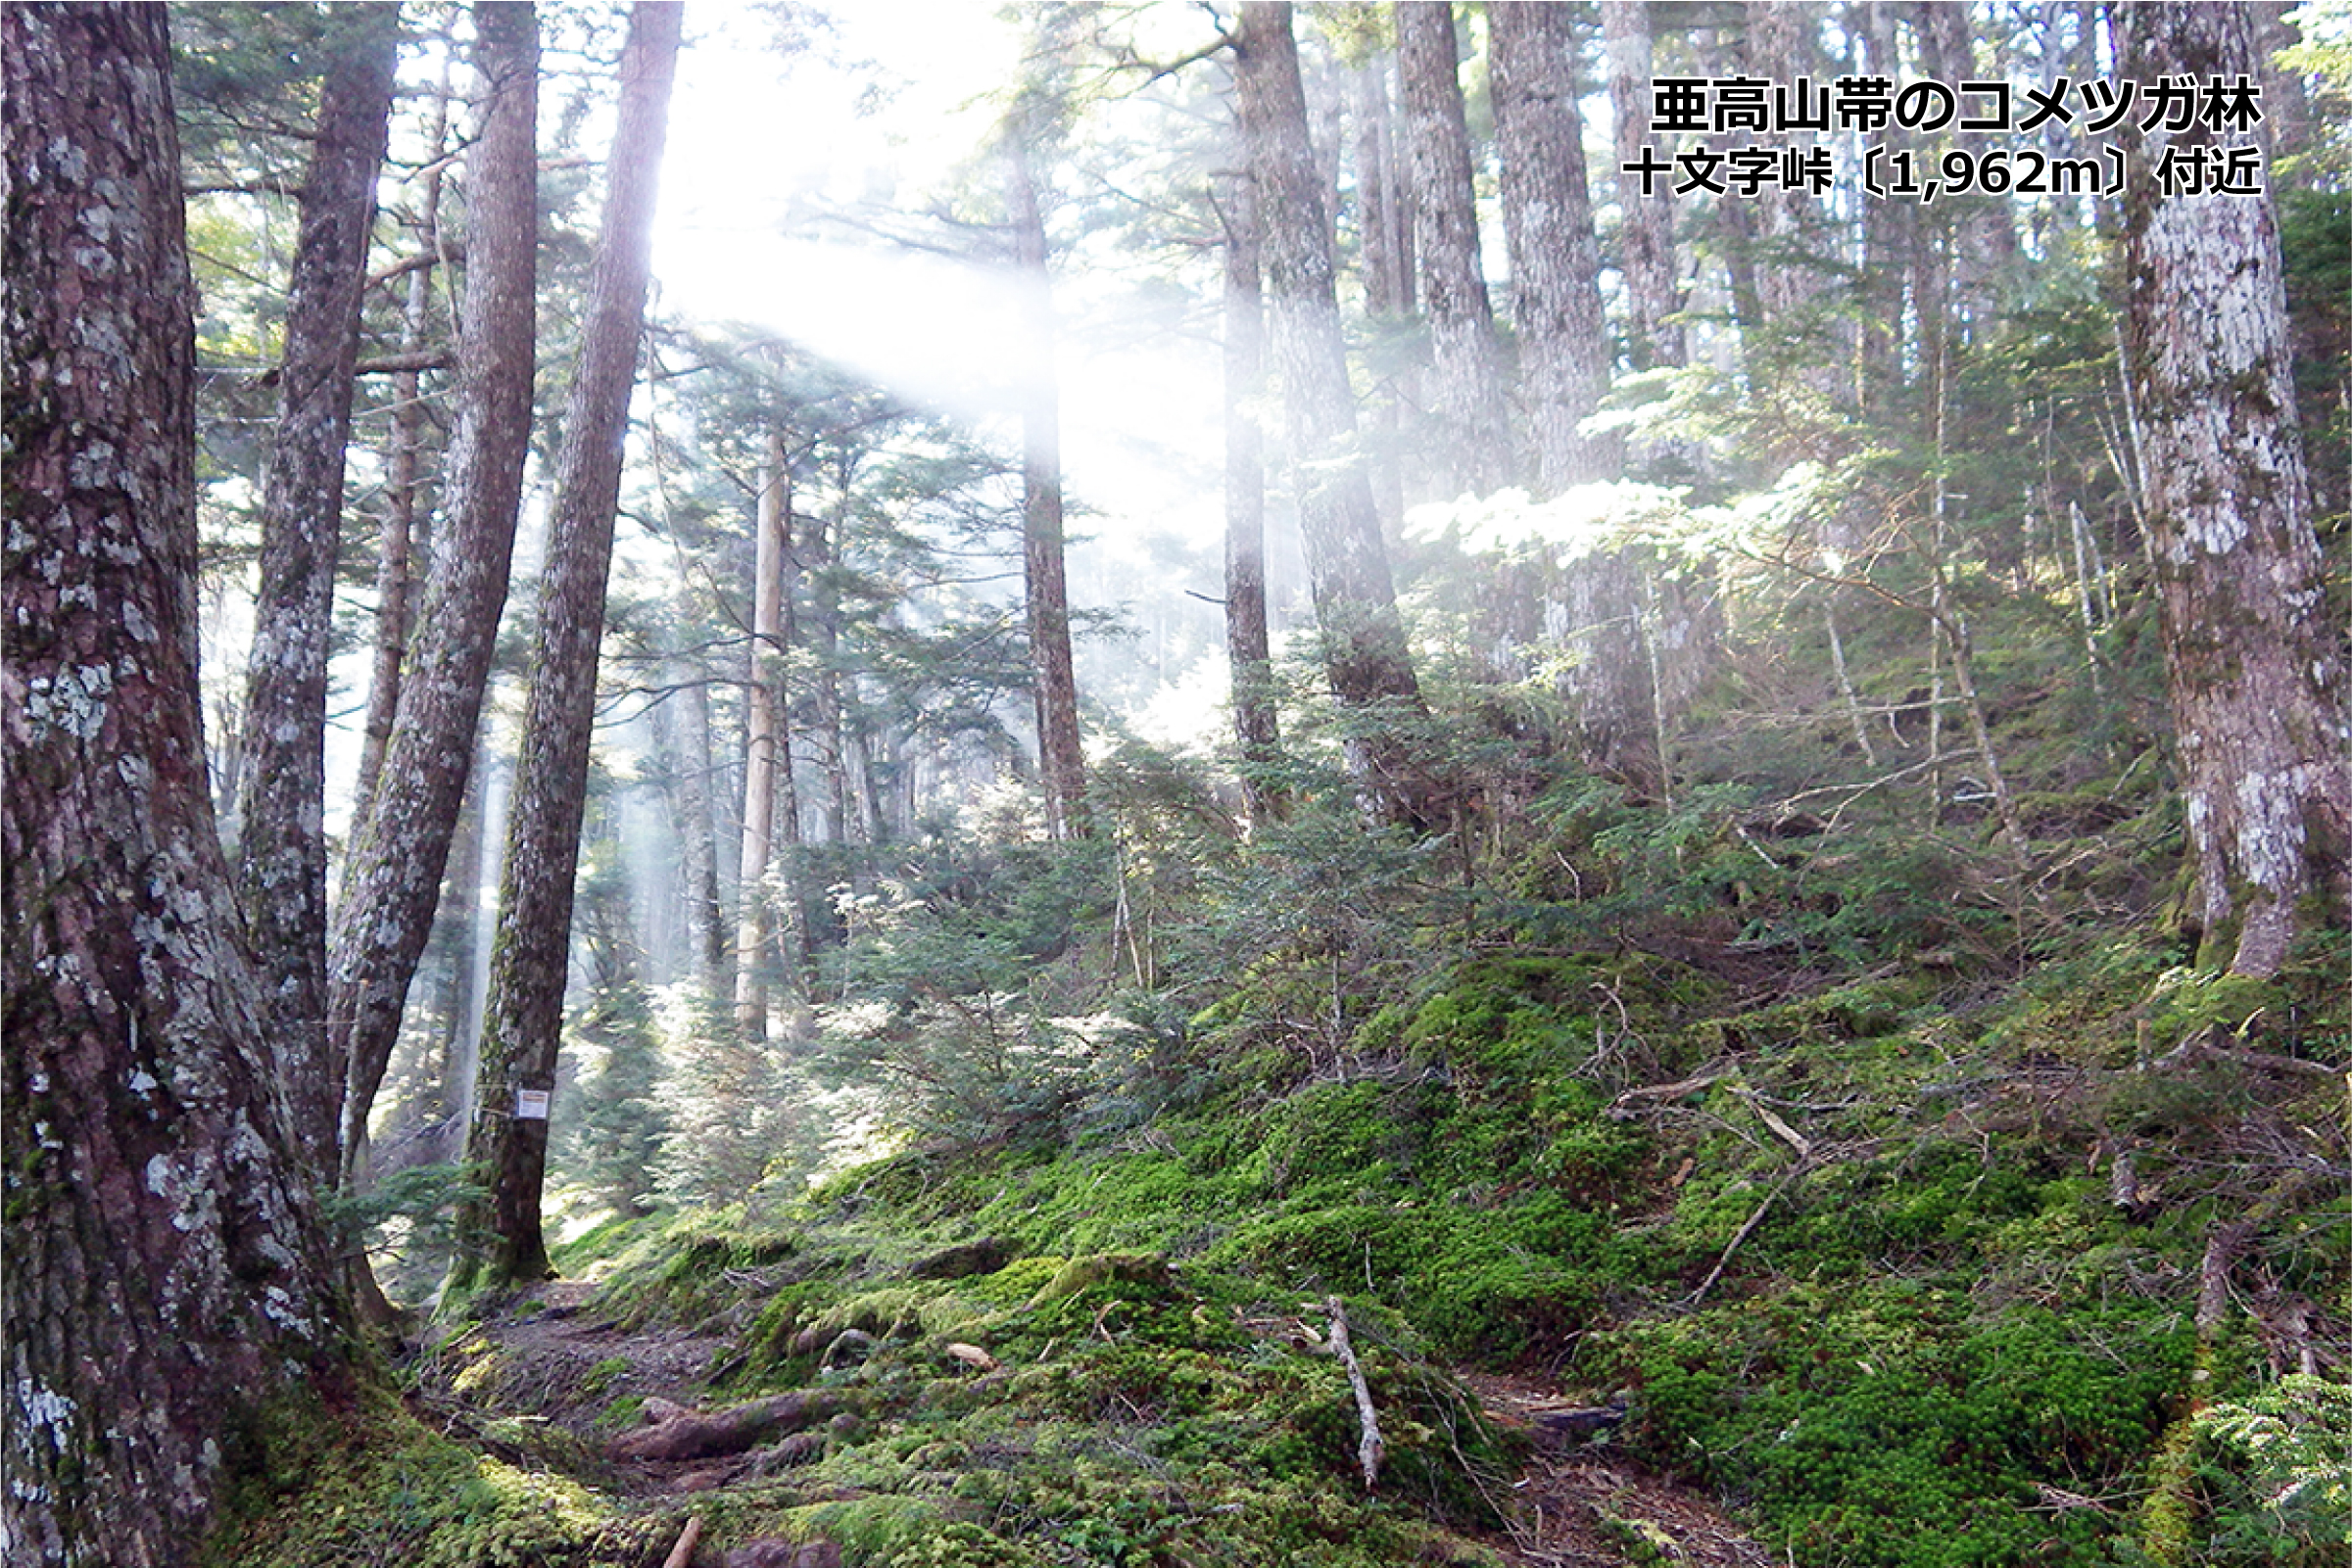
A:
1256	724
404	485
763	726
1473	419
1646	234
282	863
1555	256
1365	651
1384	218
1061	758
522	1019
398	854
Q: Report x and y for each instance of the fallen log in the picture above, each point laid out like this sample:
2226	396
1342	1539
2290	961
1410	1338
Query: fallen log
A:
682	1433
683	1552
1370	1450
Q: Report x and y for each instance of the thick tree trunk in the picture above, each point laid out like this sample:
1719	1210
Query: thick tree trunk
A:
1601	598
281	847
1474	414
2257	678
1647	236
522	1021
1062	760
1364	651
1555	256
170	1298
763	743
1256	724
398	854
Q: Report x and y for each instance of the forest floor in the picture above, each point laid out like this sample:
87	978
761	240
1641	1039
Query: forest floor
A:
1898	1272
562	1362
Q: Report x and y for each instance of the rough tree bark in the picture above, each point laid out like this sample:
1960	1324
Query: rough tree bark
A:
1062	760
1474	414
394	872
1555	256
169	1299
1651	293
2256	674
1256	723
1366	655
522	1021
281	837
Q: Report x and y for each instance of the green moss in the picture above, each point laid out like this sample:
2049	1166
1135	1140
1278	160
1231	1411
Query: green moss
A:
375	1487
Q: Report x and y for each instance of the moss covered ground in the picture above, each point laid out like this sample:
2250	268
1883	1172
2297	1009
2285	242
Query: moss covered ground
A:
1898	1272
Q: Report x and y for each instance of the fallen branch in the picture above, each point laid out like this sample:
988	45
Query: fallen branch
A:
682	1433
2207	1044
684	1552
1787	1134
1617	1111
1741	1235
2221	1248
395	363
1370	1450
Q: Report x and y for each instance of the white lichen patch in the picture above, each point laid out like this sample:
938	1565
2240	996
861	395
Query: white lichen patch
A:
43	1411
92	466
72	701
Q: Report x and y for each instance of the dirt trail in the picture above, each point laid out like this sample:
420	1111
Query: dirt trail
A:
546	1360
1579	1505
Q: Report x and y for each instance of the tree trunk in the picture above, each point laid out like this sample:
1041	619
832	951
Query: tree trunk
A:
1983	238
1364	651
1061	759
819	559
1555	256
1795	250
1473	416
395	572
398	854
684	752
281	848
1256	723
1384	219
763	738
1887	242
2257	682
169	1297
522	1021
1652	291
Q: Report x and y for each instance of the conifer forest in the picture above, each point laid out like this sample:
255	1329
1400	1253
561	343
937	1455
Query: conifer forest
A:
1177	784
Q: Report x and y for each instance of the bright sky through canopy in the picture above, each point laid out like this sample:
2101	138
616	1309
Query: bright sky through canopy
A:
890	99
